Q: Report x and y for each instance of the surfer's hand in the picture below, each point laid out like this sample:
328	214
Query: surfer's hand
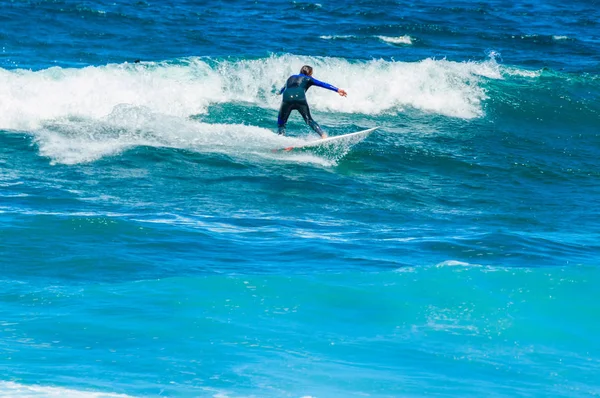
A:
342	92
324	135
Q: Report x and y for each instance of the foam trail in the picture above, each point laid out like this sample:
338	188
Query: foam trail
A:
80	140
187	87
74	142
77	140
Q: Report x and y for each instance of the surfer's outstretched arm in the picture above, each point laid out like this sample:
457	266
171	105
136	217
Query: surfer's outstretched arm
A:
328	86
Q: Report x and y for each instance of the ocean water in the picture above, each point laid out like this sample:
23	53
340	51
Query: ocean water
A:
152	244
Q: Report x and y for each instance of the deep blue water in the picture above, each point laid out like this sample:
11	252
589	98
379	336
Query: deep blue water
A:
152	244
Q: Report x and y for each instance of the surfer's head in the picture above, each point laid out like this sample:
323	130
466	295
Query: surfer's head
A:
306	70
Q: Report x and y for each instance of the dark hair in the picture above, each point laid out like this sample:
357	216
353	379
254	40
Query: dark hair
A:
306	70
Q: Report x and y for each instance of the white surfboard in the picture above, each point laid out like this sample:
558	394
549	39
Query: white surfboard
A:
359	135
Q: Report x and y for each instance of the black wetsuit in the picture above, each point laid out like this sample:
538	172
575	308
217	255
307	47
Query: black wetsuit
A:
294	97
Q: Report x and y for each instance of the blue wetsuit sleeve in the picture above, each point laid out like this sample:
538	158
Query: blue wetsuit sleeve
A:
282	90
324	85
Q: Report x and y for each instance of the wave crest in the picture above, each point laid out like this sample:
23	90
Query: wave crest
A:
188	86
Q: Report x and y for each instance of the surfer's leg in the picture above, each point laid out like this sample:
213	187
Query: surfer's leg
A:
305	112
284	114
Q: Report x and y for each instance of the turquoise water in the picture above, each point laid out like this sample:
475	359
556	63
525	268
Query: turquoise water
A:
152	244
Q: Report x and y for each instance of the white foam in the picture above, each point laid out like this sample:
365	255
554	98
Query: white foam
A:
186	87
396	40
79	140
558	38
29	97
11	389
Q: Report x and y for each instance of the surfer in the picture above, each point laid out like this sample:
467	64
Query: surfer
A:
294	97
